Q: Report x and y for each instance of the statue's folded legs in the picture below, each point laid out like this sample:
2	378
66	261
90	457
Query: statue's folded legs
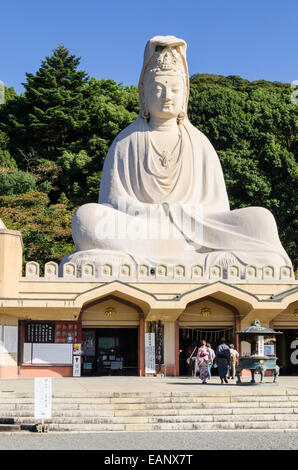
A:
250	234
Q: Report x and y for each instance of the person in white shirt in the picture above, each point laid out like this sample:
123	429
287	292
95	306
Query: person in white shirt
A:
233	361
211	359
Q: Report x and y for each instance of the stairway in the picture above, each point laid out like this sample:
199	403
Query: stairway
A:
166	411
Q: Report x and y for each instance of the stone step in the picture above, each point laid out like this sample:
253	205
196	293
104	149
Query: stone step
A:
223	418
136	410
82	409
261	399
145	397
203	426
157	399
202	411
264	425
165	419
166	413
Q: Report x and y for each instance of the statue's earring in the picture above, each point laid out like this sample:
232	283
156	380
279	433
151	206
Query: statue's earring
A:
143	108
182	113
180	116
145	113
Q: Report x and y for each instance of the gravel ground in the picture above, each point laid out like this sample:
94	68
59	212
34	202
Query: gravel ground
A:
152	441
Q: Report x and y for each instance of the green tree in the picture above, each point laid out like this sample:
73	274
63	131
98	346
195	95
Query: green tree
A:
6	160
17	182
253	126
51	114
45	227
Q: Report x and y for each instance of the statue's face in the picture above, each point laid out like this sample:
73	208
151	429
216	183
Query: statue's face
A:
164	95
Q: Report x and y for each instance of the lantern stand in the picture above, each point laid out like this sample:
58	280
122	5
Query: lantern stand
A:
262	357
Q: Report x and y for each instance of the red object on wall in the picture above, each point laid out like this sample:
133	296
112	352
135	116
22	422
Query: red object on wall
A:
64	328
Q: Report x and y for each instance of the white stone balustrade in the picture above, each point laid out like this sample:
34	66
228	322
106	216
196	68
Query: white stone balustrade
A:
163	272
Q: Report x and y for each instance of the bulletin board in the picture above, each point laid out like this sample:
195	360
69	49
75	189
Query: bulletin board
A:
47	353
50	342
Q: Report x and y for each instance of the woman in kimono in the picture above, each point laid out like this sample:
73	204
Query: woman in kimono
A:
203	361
222	359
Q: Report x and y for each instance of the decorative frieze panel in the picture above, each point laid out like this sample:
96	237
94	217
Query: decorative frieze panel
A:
286	273
233	273
197	272
106	270
51	270
268	273
88	270
69	271
32	269
143	270
162	270
125	270
179	271
251	273
216	272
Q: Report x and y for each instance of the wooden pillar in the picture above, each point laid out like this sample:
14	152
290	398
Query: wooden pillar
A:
177	355
142	346
237	326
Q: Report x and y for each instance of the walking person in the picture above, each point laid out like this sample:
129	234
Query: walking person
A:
191	360
203	361
211	359
222	358
233	361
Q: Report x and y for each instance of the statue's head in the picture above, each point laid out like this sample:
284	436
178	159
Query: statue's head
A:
164	82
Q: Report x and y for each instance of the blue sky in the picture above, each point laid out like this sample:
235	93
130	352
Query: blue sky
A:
256	39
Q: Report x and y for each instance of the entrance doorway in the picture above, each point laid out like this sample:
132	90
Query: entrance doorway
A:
109	351
190	337
287	351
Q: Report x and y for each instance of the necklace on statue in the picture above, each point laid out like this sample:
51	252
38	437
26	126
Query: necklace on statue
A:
165	156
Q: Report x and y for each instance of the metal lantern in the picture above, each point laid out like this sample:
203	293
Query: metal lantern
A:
262	357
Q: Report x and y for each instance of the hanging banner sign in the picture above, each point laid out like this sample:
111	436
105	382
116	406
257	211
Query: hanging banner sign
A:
150	367
43	398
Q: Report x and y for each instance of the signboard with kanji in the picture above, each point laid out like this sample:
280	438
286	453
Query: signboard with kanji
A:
40	332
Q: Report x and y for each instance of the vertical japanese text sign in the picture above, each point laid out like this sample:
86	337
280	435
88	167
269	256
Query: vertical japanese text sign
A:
43	398
150	367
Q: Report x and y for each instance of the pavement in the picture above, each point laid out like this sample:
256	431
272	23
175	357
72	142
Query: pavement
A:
151	442
156	385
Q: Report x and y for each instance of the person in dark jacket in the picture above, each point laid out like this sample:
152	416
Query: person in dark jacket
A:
222	359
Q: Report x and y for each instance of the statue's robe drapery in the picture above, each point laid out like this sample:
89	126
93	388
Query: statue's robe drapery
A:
189	197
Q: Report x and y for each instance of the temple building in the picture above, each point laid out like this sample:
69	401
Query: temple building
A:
44	317
161	261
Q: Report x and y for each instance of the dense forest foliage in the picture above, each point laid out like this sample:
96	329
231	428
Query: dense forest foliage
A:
54	138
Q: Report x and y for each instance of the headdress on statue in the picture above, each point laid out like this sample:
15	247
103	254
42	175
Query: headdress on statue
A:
164	55
165	60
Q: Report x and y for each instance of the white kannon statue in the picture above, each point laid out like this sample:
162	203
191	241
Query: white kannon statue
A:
162	197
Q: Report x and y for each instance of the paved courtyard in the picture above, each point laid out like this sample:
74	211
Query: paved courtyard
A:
150	384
